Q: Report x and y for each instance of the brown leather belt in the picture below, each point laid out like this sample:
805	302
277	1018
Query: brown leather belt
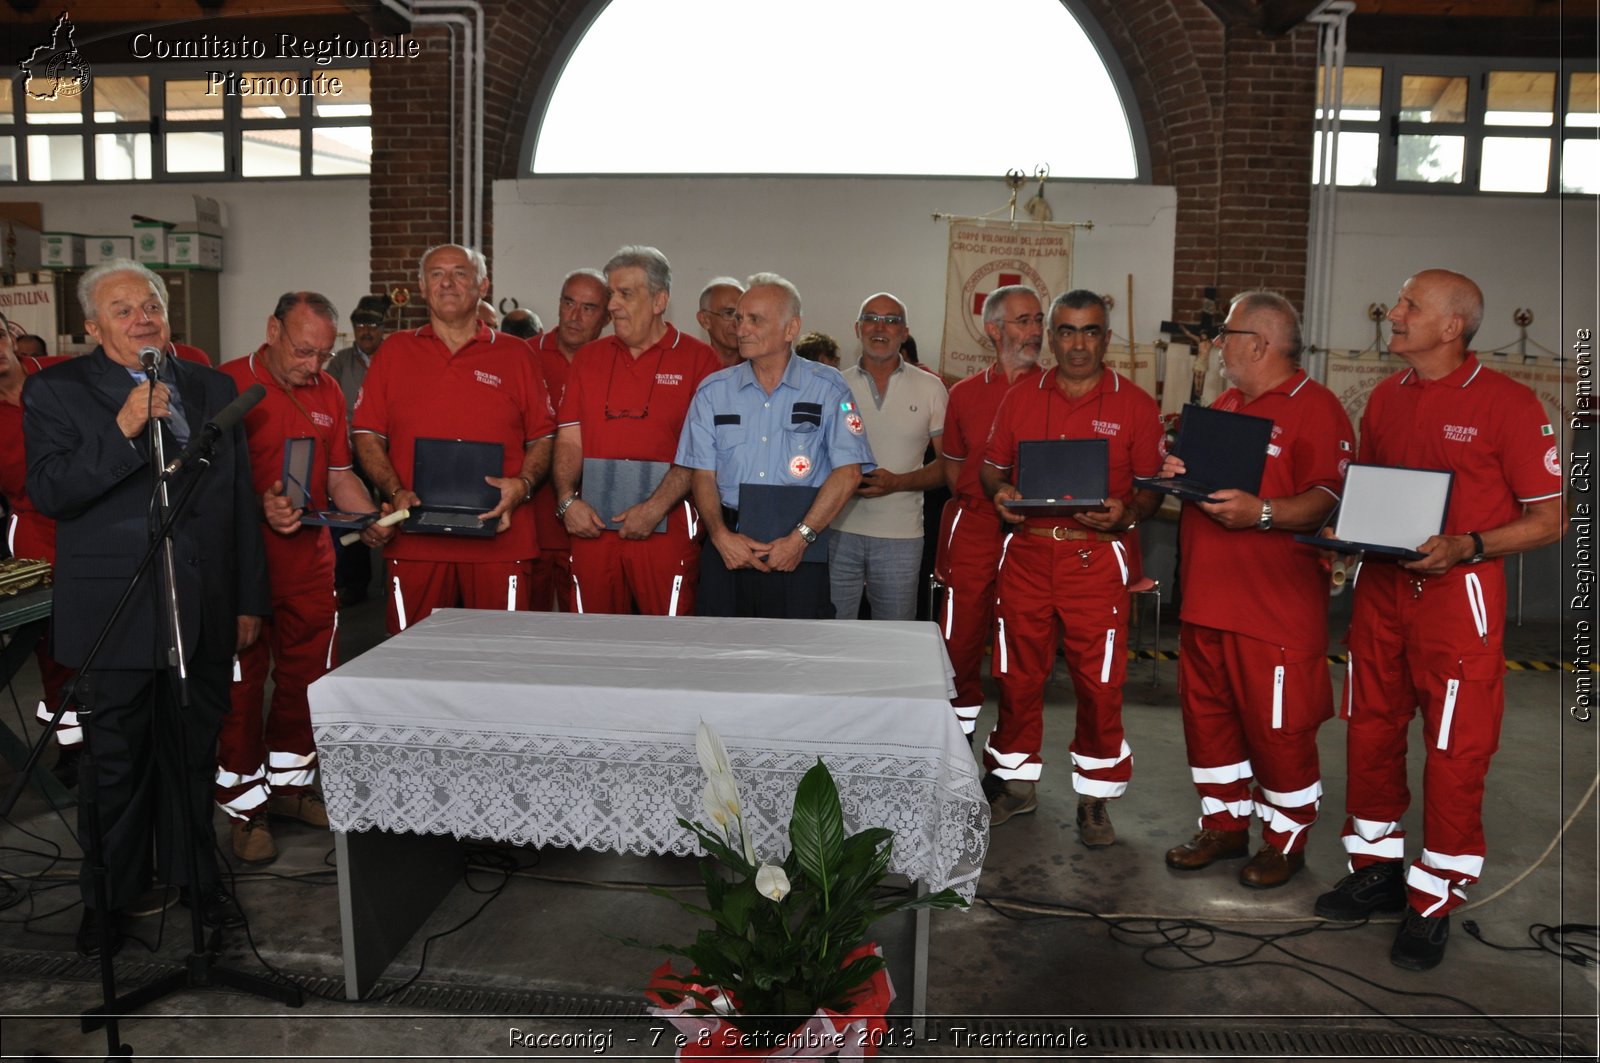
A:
1063	534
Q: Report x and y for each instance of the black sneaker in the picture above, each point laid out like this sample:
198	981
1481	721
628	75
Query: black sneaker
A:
217	906
1375	888
1419	946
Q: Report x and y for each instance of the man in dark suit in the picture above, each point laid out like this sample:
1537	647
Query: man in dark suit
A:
89	467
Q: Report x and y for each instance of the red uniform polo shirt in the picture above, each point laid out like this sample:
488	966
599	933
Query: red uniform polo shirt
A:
304	559
1116	410
968	416
1265	584
634	408
488	391
1488	429
36	533
554	367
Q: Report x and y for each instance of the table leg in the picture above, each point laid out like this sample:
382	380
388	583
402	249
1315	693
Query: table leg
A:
376	919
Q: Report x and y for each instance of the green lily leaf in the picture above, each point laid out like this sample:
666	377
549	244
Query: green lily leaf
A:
816	828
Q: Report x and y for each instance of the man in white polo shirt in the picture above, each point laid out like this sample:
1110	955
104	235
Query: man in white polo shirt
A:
878	542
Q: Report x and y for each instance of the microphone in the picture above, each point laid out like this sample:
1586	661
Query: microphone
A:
202	441
150	359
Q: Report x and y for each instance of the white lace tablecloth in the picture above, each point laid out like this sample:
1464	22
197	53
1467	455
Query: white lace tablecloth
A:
556	729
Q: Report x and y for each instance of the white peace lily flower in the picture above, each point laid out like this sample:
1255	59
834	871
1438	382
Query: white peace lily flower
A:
717	810
712	753
771	882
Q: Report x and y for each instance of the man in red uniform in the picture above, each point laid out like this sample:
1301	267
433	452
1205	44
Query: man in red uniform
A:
718	315
969	531
581	314
271	769
31	534
1066	578
1428	634
455	378
1252	672
626	398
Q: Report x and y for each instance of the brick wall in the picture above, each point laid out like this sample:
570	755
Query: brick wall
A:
1227	115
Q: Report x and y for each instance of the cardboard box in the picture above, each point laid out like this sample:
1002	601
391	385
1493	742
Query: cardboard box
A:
107	248
150	240
192	250
61	250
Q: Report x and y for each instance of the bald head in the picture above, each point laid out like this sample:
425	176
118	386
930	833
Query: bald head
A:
1461	296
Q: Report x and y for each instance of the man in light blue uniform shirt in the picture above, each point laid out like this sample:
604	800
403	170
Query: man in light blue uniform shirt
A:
773	419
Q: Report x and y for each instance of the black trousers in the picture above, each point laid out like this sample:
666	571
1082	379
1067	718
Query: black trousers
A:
803	594
147	757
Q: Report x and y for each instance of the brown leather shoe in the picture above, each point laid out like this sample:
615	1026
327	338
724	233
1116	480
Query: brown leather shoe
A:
1270	868
303	805
252	841
1207	847
1094	822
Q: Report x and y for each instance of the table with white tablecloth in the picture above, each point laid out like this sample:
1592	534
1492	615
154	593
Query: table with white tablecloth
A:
579	730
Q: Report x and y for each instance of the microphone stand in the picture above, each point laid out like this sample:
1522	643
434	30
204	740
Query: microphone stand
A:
200	967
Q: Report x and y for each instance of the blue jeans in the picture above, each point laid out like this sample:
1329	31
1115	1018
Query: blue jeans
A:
888	568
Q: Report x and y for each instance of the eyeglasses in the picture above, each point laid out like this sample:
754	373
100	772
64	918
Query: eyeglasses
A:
1024	321
1224	332
883	319
631	415
728	314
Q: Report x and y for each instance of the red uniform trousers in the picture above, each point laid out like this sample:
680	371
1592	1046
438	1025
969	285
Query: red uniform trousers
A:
967	563
657	576
1077	591
32	536
1433	644
1251	710
417	588
255	761
551	580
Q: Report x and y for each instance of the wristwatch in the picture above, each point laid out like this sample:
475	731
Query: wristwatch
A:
1265	523
806	533
1477	548
565	504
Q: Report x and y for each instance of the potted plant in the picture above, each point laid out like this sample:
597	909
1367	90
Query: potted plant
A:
785	968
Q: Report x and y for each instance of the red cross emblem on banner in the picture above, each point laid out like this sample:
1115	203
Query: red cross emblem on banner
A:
1005	280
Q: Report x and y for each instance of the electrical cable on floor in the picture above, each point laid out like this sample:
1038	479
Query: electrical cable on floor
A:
1174	931
481	859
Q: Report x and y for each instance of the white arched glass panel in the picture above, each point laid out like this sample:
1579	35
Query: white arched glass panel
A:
937	87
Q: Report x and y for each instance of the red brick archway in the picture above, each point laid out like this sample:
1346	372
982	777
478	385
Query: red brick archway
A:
1227	114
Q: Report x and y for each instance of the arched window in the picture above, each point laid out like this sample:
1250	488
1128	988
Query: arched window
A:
929	87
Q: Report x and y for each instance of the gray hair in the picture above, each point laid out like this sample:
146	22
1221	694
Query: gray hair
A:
1286	336
772	280
994	302
318	303
1080	299
585	271
657	270
91	281
718	282
885	295
480	264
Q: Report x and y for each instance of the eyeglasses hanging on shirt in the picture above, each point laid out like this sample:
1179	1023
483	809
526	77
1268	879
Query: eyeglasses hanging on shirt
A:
644	411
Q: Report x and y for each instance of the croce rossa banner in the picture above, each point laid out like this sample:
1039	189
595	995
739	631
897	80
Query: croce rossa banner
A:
988	254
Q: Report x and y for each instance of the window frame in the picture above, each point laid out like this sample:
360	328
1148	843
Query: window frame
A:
1474	129
232	125
585	18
